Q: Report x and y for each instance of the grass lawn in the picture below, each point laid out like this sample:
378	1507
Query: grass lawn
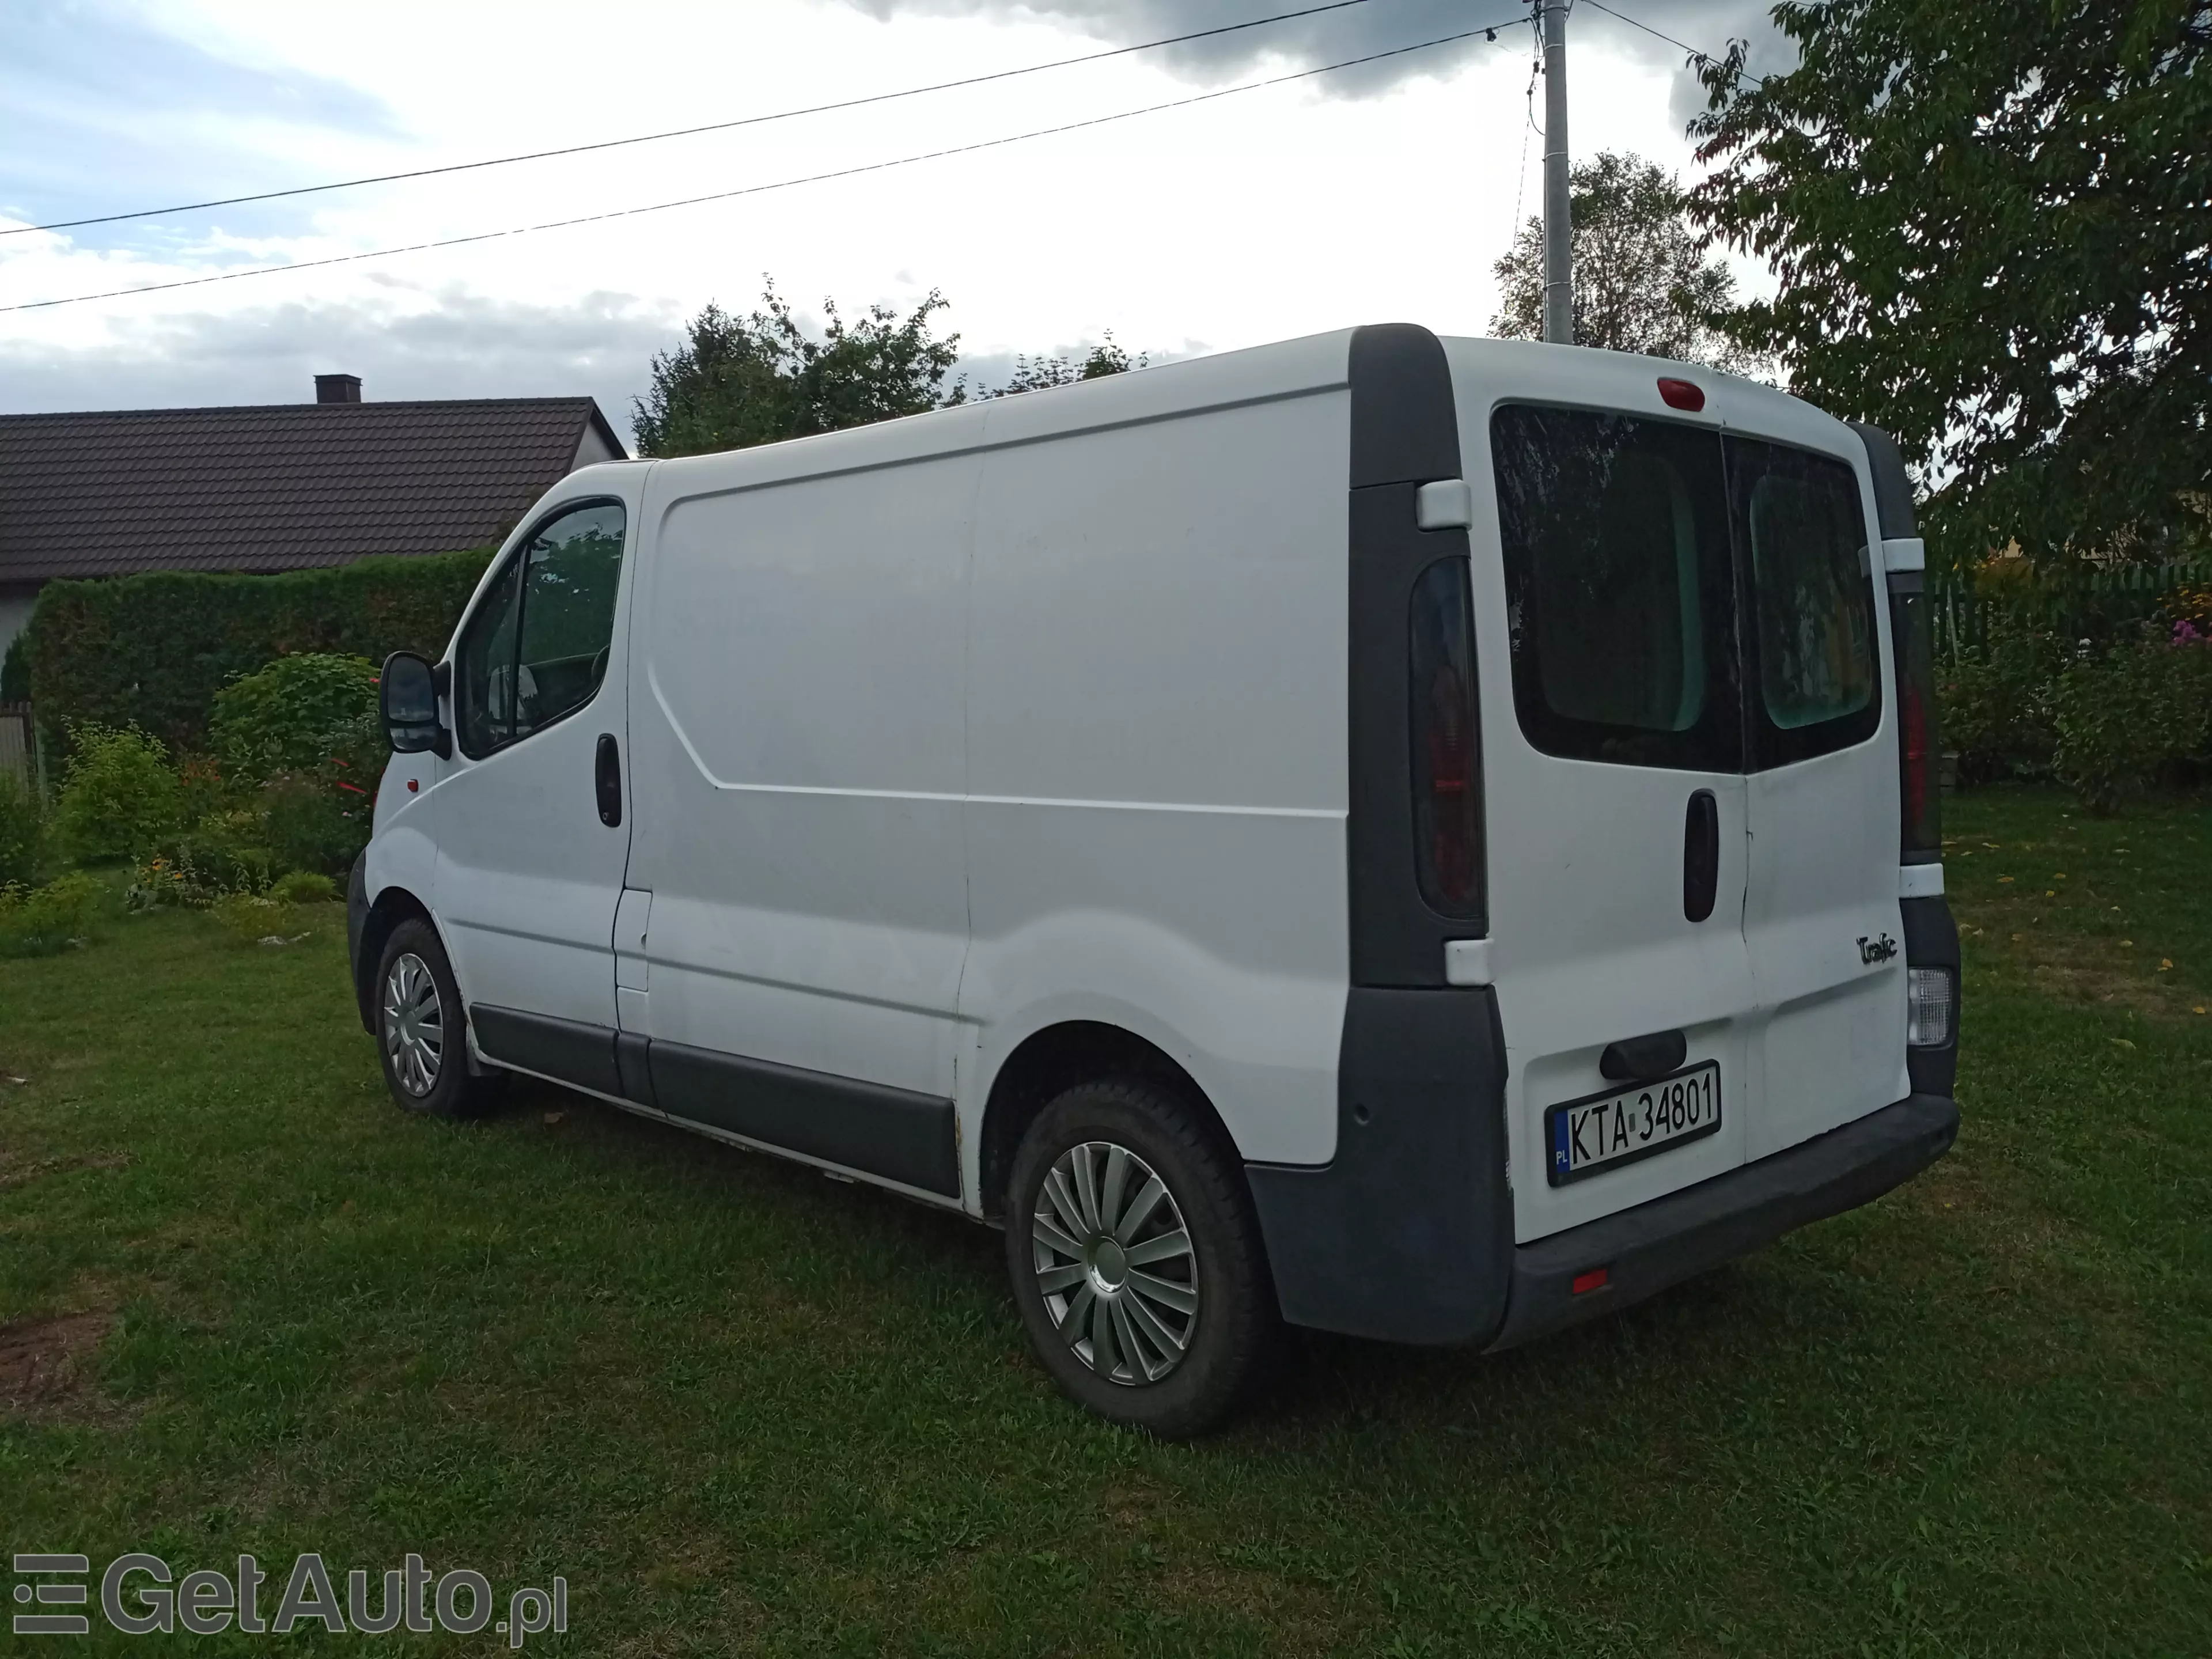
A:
247	1305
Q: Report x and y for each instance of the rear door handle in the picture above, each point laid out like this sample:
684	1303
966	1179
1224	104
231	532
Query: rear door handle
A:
606	778
1639	1059
1701	855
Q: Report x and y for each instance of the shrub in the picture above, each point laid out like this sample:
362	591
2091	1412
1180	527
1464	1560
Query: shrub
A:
2139	715
153	650
1996	704
224	852
39	921
293	715
119	797
250	918
22	832
310	825
303	887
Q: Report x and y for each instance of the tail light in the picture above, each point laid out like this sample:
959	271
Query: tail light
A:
1931	997
1447	758
1920	832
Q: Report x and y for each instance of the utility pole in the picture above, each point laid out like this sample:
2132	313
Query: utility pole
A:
1559	254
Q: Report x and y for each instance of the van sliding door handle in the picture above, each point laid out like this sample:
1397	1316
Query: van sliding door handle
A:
1701	855
607	778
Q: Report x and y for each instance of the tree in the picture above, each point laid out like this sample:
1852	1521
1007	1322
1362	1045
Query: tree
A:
1035	373
736	381
1992	223
1642	280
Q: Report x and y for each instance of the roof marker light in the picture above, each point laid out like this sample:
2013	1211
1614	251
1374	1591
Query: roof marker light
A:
1681	394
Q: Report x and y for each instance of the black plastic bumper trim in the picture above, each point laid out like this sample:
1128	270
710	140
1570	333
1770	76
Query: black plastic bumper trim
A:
1645	1249
566	1049
893	1133
1406	1235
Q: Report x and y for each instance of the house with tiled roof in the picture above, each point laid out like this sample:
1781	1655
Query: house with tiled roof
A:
274	486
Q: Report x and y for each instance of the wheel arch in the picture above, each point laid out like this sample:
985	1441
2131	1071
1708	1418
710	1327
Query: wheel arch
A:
1055	1058
394	905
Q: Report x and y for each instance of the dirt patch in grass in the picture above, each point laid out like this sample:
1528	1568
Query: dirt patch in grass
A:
46	1368
17	1172
2080	968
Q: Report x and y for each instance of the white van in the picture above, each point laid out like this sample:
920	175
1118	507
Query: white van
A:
1427	839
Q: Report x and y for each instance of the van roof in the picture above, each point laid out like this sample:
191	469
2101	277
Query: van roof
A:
1312	363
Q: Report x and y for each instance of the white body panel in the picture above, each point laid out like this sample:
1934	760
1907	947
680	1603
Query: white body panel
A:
1062	677
1157	731
799	763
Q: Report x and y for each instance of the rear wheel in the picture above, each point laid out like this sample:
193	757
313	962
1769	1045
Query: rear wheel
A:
1136	1261
421	1035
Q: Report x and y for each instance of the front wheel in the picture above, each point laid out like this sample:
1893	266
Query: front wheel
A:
1135	1259
422	1033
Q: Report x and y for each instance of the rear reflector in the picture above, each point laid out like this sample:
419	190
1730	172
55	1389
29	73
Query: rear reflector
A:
1681	394
1595	1280
1928	999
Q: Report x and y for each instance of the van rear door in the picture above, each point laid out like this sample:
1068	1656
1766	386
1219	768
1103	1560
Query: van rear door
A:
1617	806
1821	913
1684	674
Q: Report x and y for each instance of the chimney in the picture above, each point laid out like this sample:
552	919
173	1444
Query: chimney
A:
337	388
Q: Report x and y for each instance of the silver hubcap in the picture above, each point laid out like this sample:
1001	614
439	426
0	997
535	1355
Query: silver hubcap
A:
414	1024
1114	1262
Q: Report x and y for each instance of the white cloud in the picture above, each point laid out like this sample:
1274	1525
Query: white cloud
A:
453	343
1247	218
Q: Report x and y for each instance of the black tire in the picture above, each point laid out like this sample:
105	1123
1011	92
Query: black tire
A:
416	1007
1226	1336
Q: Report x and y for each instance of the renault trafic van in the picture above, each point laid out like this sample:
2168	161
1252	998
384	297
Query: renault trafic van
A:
1430	839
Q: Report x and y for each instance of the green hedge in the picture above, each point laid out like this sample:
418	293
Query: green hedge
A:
153	650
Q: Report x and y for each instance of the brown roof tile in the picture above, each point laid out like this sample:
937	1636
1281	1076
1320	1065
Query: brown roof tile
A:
275	487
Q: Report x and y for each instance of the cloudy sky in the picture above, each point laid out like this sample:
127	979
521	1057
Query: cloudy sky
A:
1368	194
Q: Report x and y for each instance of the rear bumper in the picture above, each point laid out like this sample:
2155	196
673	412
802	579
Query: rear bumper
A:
1645	1249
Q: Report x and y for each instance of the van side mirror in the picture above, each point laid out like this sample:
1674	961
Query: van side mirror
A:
407	696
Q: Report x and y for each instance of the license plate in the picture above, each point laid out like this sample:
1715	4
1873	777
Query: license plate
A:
1603	1131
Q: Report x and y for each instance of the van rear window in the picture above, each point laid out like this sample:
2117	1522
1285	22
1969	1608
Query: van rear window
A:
1805	537
1620	599
1626	542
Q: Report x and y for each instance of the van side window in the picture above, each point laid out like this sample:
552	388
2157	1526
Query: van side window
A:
1620	595
537	649
483	678
1818	669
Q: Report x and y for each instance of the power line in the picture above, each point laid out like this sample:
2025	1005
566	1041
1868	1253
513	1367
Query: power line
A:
685	132
756	190
1700	57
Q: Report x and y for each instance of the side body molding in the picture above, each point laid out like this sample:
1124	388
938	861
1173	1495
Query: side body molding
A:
892	1134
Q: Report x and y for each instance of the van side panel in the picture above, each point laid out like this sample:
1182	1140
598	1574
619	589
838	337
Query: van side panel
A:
1156	748
800	757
